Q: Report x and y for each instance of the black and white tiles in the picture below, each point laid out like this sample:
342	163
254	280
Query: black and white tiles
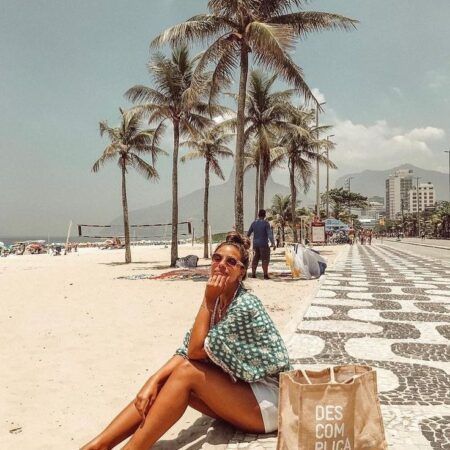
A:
388	309
391	310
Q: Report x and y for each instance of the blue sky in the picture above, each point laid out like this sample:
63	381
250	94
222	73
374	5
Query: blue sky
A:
65	66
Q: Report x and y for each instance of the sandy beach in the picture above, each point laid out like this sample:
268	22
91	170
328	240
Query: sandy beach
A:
78	343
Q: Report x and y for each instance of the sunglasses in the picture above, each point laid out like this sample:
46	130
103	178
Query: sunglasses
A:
229	260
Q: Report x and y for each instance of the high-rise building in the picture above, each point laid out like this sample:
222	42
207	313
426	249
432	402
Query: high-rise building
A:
426	197
398	186
373	210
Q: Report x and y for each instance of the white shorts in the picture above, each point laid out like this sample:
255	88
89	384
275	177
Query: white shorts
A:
266	394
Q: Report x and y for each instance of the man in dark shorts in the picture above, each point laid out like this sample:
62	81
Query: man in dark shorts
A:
262	233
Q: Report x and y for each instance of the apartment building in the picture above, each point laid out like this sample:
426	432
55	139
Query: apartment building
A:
398	186
425	195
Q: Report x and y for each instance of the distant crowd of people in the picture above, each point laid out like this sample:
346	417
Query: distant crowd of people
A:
362	236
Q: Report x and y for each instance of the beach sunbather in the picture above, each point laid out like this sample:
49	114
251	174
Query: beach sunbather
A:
227	367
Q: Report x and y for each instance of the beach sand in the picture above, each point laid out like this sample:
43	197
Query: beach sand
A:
78	343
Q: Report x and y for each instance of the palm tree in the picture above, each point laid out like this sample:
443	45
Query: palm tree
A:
266	114
128	142
234	29
281	212
302	147
252	160
210	145
167	102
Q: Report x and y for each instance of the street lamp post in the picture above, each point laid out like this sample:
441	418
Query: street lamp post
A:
328	178
318	163
349	179
448	151
418	209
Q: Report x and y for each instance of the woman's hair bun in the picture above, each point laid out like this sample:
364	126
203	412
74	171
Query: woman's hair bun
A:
233	237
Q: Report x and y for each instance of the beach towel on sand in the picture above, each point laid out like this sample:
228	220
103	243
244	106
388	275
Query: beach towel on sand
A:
245	343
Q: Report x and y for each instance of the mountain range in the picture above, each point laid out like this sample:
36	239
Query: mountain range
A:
221	205
221	198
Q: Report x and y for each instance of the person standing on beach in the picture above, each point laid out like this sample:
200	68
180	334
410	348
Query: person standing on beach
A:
262	233
239	385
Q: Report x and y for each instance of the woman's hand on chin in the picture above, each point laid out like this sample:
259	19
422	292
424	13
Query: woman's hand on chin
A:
214	287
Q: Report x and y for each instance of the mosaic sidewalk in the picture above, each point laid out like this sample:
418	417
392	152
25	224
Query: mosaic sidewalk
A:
391	310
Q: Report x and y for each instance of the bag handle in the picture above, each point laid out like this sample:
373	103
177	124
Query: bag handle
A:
332	376
305	376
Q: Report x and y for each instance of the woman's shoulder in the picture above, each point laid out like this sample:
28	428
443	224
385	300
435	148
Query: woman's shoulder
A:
247	301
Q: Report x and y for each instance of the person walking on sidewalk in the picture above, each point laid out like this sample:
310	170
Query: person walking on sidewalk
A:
262	233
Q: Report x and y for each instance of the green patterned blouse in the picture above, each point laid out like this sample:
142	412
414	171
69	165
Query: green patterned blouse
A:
245	343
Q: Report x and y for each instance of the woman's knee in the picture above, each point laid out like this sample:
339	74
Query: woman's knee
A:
187	371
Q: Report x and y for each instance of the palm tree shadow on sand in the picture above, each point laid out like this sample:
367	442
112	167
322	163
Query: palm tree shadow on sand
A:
203	433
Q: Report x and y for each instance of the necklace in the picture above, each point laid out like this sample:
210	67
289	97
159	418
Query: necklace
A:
218	310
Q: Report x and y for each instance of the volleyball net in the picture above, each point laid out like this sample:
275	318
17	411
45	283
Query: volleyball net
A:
144	232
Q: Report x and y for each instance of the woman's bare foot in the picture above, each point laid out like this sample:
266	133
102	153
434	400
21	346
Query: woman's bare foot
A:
95	444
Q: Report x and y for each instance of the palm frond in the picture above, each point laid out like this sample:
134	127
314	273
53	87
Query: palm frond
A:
111	152
223	151
304	173
269	8
191	143
192	155
143	167
112	133
141	93
306	22
228	125
215	167
278	60
271	36
194	122
198	28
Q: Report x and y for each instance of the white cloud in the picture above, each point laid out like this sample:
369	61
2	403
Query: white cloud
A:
426	134
320	97
381	146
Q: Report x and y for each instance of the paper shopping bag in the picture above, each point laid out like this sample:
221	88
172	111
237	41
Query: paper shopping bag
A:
331	409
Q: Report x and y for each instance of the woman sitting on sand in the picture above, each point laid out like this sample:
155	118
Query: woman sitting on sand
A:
227	367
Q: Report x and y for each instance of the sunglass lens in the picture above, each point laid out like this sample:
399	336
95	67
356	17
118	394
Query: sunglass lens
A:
216	257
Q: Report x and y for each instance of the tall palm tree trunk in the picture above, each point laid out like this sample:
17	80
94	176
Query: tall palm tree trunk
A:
293	199
176	144
239	158
257	190
126	225
205	212
262	186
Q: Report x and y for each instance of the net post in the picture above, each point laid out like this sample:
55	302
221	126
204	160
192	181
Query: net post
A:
210	240
68	236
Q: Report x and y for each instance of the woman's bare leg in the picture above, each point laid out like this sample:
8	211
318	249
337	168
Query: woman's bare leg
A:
123	426
127	422
233	402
